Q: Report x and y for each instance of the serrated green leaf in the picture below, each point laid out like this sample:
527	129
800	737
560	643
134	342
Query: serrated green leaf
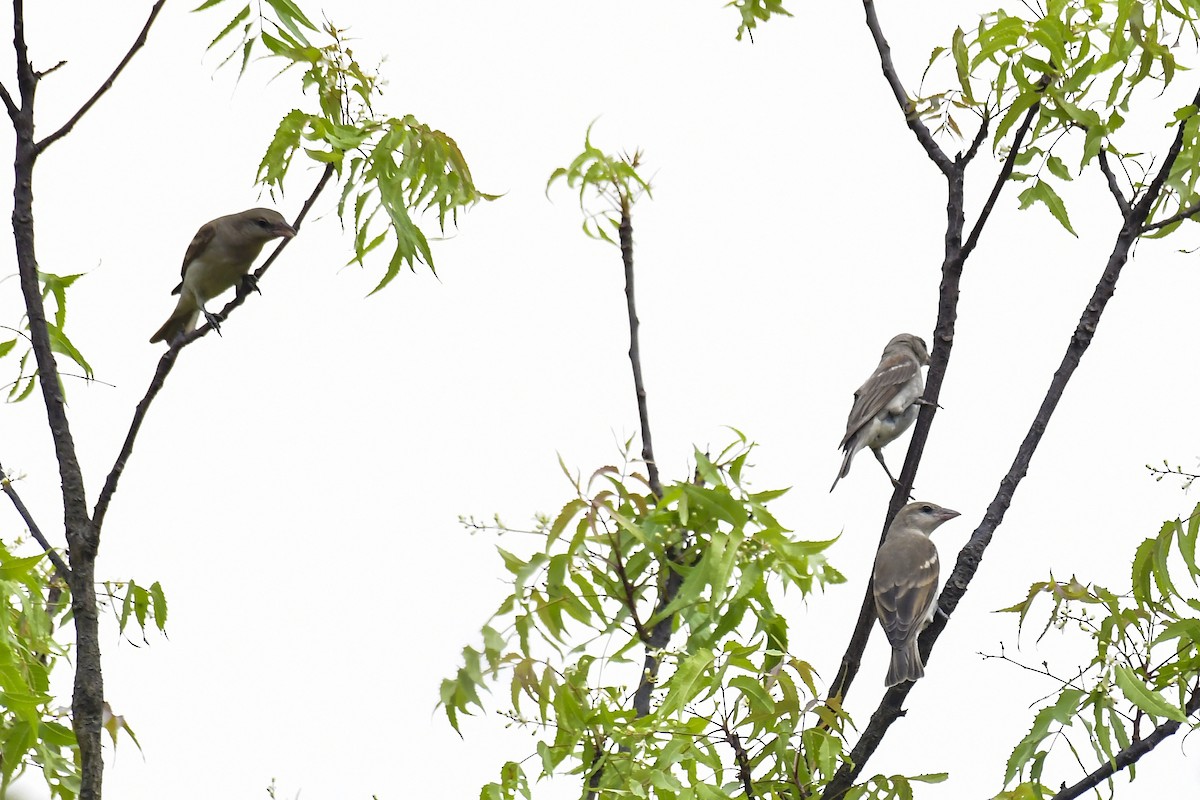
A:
1144	697
1042	192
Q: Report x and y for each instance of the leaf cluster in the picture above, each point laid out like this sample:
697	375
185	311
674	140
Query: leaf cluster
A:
53	287
732	699
392	168
1146	667
611	180
1081	62
33	732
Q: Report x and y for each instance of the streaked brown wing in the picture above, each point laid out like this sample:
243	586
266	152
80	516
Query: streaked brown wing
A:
892	373
905	587
199	242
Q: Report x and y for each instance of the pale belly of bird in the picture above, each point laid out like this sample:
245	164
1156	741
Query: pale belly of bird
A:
890	425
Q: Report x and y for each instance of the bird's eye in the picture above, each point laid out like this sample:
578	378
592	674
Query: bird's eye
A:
927	508
262	223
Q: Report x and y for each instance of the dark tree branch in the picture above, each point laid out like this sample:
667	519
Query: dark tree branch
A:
8	102
627	588
34	530
743	760
1171	220
1006	172
660	634
87	701
635	358
167	362
1113	186
1131	754
969	558
104	87
914	122
980	135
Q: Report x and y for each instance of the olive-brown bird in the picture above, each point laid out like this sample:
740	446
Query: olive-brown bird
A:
886	405
905	585
220	255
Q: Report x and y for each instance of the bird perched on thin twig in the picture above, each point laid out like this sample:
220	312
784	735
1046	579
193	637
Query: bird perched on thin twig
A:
220	256
886	405
905	585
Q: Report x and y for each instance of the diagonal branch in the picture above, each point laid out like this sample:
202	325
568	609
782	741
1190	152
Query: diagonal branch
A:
919	129
104	87
13	111
635	358
34	530
1113	186
167	362
1006	172
980	135
1130	755
1187	213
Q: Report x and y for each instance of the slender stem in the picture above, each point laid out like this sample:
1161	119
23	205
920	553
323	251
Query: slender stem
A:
660	634
635	358
1187	213
1113	186
87	701
167	362
919	129
1006	172
743	761
34	530
104	87
980	135
8	102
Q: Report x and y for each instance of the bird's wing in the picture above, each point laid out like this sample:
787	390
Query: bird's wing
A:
893	372
906	588
200	241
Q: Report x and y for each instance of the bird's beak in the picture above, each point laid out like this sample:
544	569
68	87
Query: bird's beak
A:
285	230
947	514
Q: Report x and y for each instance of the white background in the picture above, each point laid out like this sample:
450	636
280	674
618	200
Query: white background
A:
297	484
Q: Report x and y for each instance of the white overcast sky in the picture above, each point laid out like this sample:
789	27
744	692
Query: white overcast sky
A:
297	484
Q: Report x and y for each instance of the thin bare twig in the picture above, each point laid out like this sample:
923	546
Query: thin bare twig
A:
34	530
919	129
1187	213
8	102
1006	172
635	359
167	362
104	87
980	135
1111	178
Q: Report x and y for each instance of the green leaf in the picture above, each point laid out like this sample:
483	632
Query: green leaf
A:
1044	193
958	48
159	601
1144	697
687	682
1057	168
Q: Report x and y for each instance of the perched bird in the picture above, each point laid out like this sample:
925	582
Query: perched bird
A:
886	405
905	586
220	256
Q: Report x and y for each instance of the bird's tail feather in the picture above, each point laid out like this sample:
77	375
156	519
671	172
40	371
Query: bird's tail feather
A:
182	320
845	470
906	664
